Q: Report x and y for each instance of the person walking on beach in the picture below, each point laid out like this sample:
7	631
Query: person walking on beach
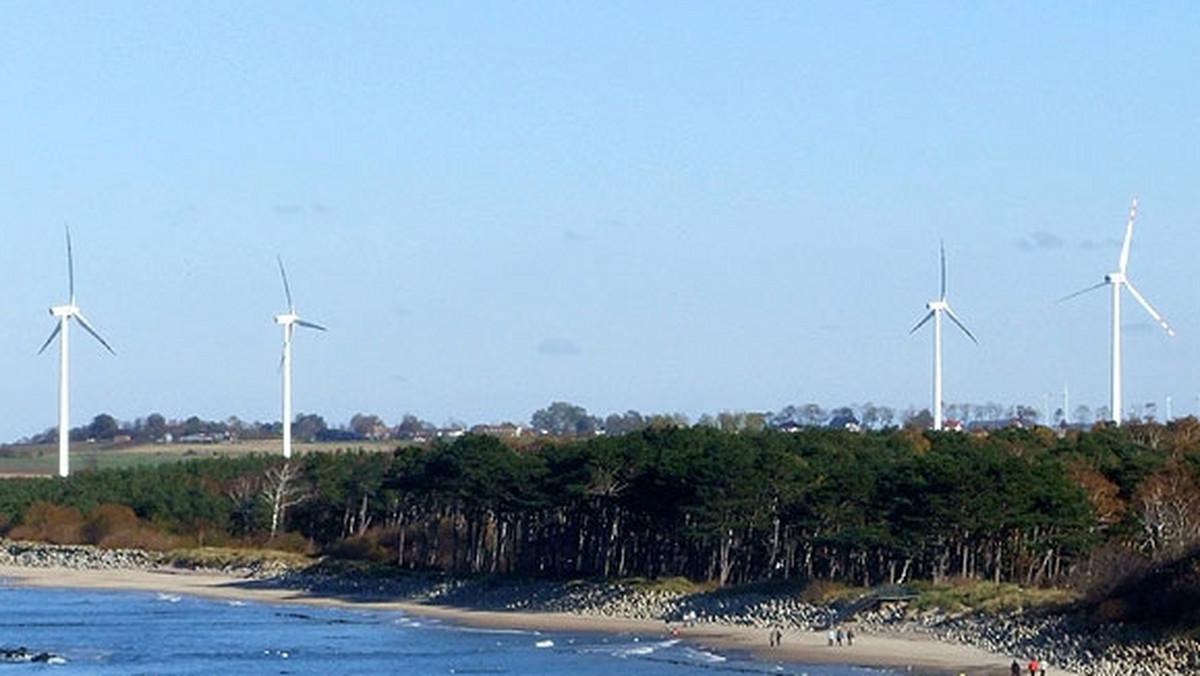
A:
1033	667
850	636
832	637
1015	668
840	636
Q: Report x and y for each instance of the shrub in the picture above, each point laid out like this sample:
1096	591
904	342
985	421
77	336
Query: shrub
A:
110	523
359	548
50	523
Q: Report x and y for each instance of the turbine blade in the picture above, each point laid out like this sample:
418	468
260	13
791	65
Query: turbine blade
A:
1146	304
286	289
88	327
954	318
70	266
943	250
310	325
53	335
923	322
1080	293
1124	260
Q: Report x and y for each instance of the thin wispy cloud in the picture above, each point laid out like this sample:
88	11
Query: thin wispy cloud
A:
558	347
1040	241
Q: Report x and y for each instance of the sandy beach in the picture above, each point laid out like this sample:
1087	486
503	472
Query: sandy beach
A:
905	653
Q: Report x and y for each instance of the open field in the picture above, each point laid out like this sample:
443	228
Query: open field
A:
42	459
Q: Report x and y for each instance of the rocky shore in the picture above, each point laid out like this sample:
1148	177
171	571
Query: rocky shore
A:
1062	640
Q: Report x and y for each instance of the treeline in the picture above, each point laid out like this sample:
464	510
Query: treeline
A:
1024	505
156	428
567	420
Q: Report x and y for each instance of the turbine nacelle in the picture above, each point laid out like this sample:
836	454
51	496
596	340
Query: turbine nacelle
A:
66	313
288	320
1117	280
936	309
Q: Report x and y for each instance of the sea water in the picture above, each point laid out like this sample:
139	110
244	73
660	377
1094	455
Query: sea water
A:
129	633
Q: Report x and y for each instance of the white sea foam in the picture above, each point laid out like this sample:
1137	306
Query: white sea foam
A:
634	649
704	656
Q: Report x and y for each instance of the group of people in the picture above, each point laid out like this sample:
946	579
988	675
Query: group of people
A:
837	636
1035	668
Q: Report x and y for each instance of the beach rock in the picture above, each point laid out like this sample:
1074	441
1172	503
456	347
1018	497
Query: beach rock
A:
1061	640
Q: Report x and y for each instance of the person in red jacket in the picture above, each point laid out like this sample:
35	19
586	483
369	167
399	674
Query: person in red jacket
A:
1033	667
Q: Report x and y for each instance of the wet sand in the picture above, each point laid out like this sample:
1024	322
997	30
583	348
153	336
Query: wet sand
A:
905	653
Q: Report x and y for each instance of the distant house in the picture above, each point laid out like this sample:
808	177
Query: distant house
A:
790	427
503	430
379	432
202	438
845	422
450	433
952	425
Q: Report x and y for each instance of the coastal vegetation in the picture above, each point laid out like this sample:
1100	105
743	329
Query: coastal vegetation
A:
1025	506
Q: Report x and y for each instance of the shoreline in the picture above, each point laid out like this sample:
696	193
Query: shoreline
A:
906	653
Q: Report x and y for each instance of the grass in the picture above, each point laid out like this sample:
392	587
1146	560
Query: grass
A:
974	595
670	585
42	460
221	557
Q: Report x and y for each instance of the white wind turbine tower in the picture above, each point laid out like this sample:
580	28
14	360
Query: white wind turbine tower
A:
65	313
1117	280
288	321
936	308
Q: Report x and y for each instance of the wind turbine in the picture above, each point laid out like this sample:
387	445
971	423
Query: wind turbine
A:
1117	280
288	321
936	308
65	313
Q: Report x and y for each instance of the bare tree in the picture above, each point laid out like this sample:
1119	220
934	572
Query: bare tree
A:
281	492
1169	507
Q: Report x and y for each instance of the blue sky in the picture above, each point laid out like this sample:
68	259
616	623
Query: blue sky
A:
667	206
